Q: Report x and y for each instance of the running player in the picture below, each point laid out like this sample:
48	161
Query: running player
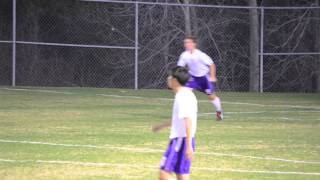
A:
177	158
203	72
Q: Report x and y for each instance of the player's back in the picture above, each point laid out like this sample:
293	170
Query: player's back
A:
185	105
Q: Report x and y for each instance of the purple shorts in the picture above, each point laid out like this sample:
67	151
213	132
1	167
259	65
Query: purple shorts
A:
202	84
175	159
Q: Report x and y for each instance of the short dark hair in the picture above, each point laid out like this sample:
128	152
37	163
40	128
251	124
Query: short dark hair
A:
192	38
181	74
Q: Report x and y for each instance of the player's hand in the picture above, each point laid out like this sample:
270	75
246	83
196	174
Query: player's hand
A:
189	153
213	79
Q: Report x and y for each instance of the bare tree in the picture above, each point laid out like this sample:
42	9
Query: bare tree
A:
187	17
317	46
31	30
254	47
229	36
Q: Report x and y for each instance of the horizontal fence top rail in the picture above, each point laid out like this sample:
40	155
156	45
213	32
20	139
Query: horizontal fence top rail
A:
6	41
202	5
69	45
290	53
128	47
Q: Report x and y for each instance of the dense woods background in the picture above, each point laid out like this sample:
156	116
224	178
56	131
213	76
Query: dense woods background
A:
231	36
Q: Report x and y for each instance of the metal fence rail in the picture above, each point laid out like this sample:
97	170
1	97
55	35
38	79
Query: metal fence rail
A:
131	44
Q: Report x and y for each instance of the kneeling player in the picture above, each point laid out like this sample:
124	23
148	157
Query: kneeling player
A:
177	158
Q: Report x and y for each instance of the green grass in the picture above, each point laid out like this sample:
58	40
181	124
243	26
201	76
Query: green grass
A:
279	125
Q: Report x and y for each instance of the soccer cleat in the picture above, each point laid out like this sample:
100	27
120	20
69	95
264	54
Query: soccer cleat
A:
219	115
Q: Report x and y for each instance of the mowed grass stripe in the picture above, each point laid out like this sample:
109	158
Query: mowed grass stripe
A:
101	164
166	99
149	150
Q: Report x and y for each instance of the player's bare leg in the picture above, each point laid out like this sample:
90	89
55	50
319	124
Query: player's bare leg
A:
215	100
164	175
182	176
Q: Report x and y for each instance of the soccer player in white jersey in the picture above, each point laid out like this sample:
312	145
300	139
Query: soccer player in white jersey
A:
177	159
203	72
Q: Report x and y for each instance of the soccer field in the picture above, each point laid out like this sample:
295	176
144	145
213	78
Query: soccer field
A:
90	133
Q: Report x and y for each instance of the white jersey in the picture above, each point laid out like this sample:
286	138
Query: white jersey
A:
198	62
185	105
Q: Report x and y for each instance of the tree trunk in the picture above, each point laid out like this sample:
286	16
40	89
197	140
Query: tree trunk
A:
195	25
167	37
317	48
33	74
187	17
254	48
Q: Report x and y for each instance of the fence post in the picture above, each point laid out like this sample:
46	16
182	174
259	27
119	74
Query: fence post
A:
14	43
136	85
261	47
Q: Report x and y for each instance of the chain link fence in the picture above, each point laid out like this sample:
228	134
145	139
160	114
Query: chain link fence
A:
162	29
130	44
292	46
295	73
5	45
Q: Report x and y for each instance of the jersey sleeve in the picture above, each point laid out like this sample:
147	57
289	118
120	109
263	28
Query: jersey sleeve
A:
185	108
181	61
207	59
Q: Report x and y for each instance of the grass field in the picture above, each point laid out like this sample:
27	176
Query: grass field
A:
89	133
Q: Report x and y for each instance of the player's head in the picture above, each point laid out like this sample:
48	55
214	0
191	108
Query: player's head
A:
190	43
178	76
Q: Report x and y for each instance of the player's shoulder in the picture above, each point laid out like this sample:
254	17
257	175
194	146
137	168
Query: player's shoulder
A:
201	52
184	54
205	56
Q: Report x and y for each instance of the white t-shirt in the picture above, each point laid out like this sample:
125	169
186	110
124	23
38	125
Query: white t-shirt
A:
198	62
185	105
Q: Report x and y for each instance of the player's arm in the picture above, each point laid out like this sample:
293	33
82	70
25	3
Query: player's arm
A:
159	127
209	62
188	124
213	73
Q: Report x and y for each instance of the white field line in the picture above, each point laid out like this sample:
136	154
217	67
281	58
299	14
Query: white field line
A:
223	102
119	96
141	150
243	112
103	164
97	164
263	158
167	99
149	150
271	105
260	112
38	90
297	111
133	97
256	171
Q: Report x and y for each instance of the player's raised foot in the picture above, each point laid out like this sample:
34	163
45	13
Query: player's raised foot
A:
219	115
